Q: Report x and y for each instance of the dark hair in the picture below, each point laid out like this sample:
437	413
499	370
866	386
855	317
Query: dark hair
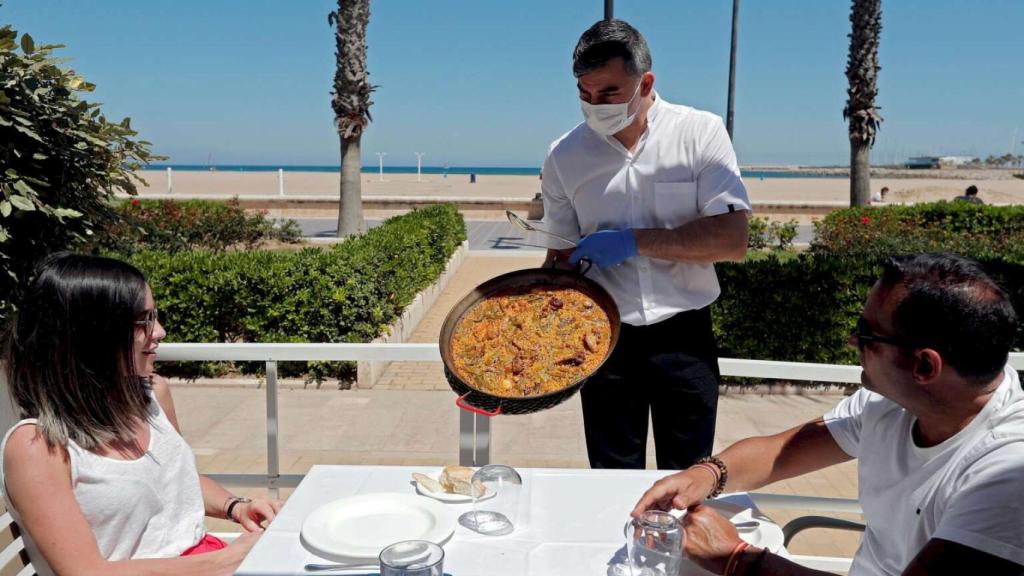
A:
972	190
69	350
950	304
607	40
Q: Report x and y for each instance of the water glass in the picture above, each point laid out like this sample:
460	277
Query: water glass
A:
654	543
412	558
496	505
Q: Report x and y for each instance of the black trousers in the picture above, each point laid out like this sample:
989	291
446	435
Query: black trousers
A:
668	370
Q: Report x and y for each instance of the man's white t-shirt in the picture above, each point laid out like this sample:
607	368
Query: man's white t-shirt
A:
968	489
683	168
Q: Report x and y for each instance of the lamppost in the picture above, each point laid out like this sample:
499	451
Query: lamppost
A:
609	9
419	164
732	67
380	158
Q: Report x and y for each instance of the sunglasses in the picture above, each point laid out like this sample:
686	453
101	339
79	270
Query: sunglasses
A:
863	334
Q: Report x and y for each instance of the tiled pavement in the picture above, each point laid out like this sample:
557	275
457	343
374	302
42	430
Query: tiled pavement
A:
409	419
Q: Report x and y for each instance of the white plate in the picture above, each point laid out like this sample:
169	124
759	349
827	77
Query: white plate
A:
768	534
447	496
361	526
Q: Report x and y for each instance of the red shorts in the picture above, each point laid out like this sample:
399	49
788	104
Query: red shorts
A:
209	543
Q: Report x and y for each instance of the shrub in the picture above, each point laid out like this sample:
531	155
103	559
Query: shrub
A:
775	235
62	161
980	231
803	308
349	292
174	226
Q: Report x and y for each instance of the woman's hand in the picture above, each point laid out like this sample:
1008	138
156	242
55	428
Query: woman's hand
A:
710	538
256	515
678	491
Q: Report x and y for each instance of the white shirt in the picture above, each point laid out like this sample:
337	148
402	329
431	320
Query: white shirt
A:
683	168
966	489
151	507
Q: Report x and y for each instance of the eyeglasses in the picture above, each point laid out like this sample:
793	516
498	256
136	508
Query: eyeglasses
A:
149	319
863	334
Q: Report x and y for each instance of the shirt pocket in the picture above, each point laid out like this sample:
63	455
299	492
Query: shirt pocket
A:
675	203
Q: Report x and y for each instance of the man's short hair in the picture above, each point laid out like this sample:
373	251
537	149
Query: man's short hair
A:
607	40
950	304
972	190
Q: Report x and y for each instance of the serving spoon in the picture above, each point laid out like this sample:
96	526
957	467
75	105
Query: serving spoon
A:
518	221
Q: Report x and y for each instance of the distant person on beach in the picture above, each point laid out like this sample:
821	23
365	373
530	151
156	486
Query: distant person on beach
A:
653	191
879	196
96	473
970	195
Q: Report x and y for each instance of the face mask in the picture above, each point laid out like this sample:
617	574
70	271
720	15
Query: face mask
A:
609	119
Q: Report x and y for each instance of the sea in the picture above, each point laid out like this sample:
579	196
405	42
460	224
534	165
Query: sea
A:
443	170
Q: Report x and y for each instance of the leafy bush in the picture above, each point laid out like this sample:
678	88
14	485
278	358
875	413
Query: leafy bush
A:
61	161
174	226
803	309
980	231
775	235
349	292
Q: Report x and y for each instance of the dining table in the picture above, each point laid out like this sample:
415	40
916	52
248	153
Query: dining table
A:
568	522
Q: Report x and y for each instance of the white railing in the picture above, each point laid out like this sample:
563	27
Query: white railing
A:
474	430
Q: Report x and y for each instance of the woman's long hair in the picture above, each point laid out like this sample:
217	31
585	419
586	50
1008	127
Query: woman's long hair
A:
69	350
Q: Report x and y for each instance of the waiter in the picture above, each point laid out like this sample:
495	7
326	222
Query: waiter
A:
653	191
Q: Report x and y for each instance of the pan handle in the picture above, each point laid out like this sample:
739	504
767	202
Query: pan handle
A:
461	403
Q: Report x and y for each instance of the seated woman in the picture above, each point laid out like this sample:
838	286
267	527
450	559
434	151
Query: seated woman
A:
97	474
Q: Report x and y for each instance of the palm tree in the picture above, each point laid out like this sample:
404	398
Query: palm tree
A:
860	111
351	102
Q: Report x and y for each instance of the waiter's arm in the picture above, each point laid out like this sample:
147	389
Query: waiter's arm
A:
706	240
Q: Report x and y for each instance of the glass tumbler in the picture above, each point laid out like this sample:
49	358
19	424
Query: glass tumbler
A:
412	558
496	490
654	543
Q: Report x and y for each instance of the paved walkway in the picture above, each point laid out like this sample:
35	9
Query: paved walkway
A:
410	418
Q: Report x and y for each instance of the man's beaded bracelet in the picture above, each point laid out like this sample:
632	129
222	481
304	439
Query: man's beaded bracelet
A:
723	474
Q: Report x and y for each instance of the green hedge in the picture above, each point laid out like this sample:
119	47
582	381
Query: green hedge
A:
980	231
803	309
349	292
174	226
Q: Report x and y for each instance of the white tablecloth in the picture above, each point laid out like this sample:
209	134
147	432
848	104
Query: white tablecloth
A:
570	521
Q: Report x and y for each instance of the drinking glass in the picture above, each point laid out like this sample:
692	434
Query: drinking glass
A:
654	544
496	504
412	558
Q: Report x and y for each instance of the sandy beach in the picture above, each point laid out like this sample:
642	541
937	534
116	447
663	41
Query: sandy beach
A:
996	187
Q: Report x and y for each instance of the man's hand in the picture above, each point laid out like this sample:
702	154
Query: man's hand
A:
710	538
678	491
605	248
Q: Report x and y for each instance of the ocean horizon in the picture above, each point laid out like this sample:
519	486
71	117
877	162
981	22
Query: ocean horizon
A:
444	170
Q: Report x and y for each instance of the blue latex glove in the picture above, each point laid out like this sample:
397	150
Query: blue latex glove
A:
605	248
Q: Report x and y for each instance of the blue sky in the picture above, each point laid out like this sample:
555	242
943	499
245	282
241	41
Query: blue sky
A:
489	83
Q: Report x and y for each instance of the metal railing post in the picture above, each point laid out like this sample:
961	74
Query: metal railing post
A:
273	454
474	439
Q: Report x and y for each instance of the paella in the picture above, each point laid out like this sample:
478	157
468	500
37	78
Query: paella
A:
530	341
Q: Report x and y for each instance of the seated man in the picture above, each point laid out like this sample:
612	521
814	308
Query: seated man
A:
970	195
938	429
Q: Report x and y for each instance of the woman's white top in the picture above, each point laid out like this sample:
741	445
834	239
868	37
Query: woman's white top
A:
151	507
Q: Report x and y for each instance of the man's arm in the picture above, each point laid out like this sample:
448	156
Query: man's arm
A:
710	239
752	463
940	557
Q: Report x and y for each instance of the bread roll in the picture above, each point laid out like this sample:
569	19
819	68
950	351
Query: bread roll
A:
457	479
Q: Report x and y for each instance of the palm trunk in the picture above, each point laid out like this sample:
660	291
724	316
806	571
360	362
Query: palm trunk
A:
860	172
350	201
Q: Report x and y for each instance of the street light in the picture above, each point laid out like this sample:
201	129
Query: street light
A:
732	67
380	158
419	164
609	9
